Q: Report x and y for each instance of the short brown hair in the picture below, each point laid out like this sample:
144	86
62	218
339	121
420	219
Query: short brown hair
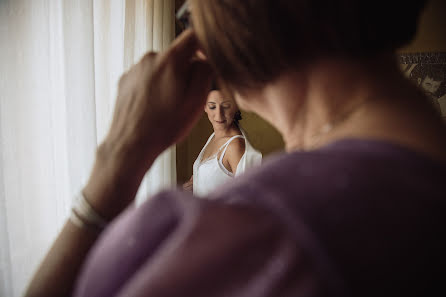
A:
251	41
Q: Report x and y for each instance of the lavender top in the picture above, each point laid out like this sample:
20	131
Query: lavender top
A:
355	218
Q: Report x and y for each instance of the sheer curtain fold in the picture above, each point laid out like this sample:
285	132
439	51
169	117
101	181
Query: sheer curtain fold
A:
150	26
33	135
61	61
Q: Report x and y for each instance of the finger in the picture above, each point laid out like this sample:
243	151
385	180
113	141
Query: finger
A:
199	83
201	55
196	92
184	47
148	57
147	60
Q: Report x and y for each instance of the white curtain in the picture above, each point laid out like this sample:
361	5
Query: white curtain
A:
59	65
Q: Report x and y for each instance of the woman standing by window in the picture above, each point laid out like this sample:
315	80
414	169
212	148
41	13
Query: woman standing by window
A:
227	152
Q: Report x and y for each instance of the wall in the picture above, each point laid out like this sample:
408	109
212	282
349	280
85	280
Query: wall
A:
431	36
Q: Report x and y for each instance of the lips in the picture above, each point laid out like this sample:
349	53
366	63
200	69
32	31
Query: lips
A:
220	122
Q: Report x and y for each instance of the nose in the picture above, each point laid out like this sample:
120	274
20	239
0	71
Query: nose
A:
220	114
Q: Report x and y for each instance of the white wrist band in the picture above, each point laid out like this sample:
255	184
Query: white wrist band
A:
84	216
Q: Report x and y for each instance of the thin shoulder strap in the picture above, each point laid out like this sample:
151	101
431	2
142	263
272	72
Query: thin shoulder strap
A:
209	139
225	146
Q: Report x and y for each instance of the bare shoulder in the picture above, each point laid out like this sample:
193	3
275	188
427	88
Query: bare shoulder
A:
235	150
234	153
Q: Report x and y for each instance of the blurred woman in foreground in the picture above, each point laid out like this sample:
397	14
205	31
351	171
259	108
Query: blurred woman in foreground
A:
354	208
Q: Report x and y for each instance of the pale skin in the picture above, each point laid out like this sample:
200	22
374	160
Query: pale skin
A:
374	99
221	112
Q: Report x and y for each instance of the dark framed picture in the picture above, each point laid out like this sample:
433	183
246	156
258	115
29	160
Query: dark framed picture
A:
428	71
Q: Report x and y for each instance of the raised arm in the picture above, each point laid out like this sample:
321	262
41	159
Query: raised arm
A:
170	85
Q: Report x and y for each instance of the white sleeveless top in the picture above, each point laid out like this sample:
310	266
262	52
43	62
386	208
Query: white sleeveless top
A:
210	173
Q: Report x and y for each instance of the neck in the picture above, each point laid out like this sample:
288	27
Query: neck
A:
322	102
229	131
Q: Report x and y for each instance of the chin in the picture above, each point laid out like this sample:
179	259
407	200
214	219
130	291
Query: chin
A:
220	127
